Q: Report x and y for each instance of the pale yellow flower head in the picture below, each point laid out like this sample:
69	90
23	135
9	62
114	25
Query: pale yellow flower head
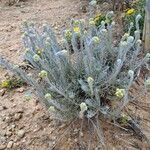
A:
36	57
96	39
51	109
139	42
126	35
92	22
120	93
48	96
83	107
43	74
90	80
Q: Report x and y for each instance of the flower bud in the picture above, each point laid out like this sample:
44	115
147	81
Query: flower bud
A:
126	35
68	34
120	93
27	50
96	39
36	57
131	73
51	109
90	80
43	74
76	22
139	42
48	96
131	24
92	23
83	107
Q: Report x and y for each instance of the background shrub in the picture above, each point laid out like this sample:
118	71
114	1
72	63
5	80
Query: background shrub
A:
138	7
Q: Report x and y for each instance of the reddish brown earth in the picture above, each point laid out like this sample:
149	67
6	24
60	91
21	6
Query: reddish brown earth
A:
26	125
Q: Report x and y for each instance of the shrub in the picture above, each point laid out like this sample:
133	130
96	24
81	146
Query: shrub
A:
138	7
87	82
12	82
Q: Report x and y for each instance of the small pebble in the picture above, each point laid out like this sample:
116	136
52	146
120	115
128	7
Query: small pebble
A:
10	144
21	133
17	116
2	146
20	90
2	92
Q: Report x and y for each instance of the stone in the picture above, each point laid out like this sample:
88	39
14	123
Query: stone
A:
2	146
17	116
14	105
2	92
8	133
10	144
1	108
20	90
21	133
13	127
12	99
8	119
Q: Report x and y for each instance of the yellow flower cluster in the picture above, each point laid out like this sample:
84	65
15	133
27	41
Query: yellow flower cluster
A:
76	29
130	11
5	84
48	96
120	93
97	17
83	107
68	35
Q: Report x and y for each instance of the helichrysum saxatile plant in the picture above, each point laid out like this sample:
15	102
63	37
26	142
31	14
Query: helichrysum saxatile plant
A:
85	83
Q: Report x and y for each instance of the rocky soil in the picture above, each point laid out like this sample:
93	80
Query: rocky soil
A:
24	123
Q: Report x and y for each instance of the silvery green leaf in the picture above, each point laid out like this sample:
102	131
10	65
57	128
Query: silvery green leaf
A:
84	86
91	113
91	102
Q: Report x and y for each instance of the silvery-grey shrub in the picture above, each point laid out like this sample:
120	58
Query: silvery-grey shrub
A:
86	82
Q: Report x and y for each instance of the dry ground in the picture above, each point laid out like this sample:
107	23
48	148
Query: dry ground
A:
25	125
